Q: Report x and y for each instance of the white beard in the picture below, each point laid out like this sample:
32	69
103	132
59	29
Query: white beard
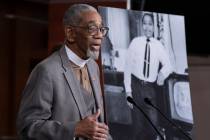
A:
92	54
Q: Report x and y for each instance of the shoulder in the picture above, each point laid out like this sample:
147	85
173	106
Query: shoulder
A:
138	39
136	42
50	64
157	42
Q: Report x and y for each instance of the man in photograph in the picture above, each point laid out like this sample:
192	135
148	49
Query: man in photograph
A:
143	73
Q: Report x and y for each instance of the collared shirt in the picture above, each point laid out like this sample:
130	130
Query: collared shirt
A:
75	58
135	61
80	69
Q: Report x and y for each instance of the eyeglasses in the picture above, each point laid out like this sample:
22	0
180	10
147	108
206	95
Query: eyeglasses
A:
93	30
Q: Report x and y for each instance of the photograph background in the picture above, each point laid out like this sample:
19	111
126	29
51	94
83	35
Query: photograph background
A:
174	99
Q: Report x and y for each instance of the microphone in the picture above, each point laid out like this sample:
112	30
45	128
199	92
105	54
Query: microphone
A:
130	100
147	101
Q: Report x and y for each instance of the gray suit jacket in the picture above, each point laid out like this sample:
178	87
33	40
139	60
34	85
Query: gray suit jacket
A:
52	101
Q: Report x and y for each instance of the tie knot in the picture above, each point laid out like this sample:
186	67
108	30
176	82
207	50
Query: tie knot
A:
148	40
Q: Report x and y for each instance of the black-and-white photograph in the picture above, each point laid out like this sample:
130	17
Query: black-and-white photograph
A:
145	72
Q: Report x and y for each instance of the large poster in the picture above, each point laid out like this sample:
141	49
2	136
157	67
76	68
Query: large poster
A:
144	57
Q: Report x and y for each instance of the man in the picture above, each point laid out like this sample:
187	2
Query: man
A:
62	99
142	73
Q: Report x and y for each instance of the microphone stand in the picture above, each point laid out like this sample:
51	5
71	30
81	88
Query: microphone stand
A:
146	100
130	100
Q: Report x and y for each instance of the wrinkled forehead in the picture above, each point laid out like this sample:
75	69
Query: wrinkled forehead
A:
90	18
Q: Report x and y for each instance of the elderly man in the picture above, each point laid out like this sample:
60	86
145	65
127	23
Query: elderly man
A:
62	99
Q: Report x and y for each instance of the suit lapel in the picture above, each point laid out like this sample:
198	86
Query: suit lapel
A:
73	84
94	80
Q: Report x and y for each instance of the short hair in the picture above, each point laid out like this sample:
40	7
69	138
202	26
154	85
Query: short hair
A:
73	15
148	14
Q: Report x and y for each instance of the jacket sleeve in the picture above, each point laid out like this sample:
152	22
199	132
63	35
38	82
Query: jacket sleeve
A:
34	117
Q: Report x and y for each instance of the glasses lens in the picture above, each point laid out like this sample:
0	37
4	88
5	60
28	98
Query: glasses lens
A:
93	30
104	30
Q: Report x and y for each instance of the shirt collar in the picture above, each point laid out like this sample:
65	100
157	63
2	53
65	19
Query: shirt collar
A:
151	38
75	58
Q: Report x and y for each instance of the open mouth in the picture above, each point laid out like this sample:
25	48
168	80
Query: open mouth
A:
95	47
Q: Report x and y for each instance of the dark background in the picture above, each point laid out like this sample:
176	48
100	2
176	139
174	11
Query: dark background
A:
196	20
35	28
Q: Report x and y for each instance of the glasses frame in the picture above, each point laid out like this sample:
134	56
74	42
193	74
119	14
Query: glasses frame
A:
103	30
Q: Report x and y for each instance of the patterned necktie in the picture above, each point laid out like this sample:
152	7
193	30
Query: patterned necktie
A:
82	76
146	59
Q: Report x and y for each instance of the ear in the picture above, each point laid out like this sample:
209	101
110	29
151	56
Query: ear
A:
70	33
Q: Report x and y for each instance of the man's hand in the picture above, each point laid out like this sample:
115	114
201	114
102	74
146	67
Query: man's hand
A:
128	94
90	128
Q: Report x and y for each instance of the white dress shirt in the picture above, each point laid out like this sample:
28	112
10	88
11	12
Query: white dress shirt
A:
134	62
75	58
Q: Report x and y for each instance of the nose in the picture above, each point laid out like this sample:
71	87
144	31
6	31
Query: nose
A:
99	34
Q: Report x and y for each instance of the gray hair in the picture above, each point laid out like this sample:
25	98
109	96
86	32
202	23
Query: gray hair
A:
72	15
